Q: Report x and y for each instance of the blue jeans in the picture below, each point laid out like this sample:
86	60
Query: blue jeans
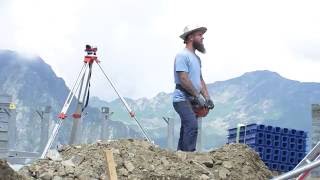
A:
189	126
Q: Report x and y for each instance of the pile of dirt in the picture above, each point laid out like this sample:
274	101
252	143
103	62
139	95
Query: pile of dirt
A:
7	173
137	159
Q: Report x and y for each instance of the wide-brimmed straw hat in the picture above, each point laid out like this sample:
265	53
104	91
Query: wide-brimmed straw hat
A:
190	29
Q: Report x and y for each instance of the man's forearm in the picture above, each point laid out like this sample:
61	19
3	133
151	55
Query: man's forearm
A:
204	90
187	85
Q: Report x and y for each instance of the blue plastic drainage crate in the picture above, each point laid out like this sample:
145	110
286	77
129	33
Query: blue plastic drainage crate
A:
268	136
276	144
281	149
275	158
292	139
285	131
277	130
284	138
268	129
284	145
267	157
301	147
268	142
301	141
292	132
301	134
276	152
290	167
292	146
274	166
276	137
291	160
283	168
292	154
255	141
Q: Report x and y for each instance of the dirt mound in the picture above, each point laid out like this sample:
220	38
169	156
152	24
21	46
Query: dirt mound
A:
7	173
136	159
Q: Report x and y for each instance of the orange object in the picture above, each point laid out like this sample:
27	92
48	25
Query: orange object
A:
201	111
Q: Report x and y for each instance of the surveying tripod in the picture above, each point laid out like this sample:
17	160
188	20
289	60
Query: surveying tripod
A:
83	83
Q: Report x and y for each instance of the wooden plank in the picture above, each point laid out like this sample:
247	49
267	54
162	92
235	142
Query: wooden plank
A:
110	165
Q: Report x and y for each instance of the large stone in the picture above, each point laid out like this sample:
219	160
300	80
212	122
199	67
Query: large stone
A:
223	173
68	163
54	155
182	155
204	177
77	159
46	175
123	172
164	161
57	178
227	164
129	166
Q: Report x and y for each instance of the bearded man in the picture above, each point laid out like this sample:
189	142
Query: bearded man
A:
190	86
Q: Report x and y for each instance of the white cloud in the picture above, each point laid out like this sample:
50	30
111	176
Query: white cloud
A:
137	40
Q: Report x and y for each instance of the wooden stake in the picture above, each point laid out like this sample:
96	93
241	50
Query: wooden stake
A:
110	165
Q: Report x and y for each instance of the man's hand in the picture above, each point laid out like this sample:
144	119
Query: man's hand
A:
198	101
209	104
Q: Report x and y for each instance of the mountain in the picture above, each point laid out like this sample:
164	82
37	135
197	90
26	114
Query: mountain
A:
255	97
33	85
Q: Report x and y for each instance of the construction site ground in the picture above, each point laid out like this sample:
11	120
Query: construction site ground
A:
138	159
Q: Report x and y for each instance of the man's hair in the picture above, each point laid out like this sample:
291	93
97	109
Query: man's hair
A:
187	38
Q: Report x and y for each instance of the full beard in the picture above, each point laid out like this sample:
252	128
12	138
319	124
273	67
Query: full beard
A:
199	46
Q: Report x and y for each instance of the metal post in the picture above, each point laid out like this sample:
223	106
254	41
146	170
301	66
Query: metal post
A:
7	126
11	111
76	133
238	132
199	138
104	120
44	134
170	132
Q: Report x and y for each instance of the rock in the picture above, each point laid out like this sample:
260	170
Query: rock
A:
54	155
83	177
182	155
77	147
69	169
152	168
204	177
164	161
123	172
77	160
46	175
129	166
218	162
205	160
7	173
57	178
227	164
68	163
115	151
223	173
131	155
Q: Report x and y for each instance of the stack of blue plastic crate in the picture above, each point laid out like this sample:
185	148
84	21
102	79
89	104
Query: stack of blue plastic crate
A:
281	149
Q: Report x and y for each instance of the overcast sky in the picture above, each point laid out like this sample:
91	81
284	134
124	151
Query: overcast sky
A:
137	39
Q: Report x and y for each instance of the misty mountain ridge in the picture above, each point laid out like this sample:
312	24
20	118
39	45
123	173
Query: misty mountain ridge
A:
255	97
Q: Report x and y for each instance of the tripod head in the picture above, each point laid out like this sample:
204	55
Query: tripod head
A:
91	50
91	54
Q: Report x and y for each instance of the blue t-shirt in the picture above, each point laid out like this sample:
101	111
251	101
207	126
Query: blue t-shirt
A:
189	62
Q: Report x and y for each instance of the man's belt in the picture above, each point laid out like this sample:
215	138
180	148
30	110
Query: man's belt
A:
178	86
200	111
